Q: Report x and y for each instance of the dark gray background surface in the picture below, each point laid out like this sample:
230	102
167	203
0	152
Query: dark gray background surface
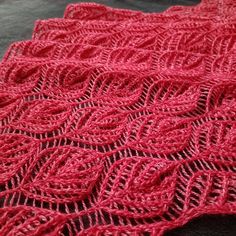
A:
17	19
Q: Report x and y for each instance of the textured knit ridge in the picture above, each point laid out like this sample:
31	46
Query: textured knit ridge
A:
118	122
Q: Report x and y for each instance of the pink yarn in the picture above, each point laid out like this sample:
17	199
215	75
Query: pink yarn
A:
118	122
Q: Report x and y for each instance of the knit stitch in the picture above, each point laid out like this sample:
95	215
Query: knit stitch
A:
118	122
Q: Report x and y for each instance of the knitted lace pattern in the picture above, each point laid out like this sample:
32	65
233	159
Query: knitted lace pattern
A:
118	122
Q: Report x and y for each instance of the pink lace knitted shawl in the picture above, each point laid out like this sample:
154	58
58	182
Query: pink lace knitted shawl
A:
117	122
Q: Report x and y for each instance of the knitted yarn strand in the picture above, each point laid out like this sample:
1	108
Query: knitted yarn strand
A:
119	122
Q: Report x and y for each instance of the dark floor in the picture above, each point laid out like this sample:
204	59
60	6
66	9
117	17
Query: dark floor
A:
17	19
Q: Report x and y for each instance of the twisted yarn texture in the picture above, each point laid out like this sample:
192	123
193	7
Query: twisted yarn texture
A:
119	122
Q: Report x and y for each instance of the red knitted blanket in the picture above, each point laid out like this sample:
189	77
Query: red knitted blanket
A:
117	122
